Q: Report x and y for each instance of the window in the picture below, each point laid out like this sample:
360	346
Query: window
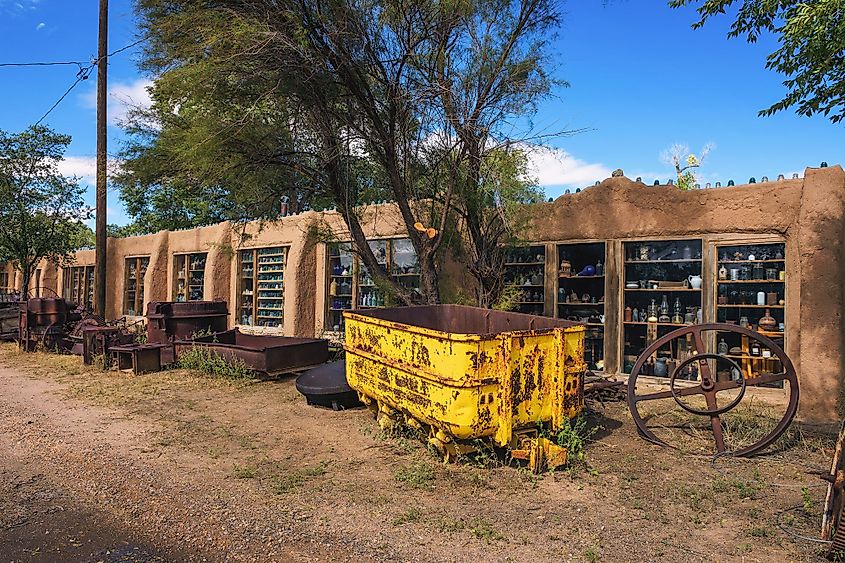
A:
133	285
78	285
36	289
262	287
4	283
190	277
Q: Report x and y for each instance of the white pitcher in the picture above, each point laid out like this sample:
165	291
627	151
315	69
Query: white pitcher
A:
695	281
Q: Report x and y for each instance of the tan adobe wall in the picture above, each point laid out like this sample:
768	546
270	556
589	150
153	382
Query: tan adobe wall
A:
806	214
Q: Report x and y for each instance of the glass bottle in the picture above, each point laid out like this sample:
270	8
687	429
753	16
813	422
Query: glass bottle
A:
599	268
678	316
723	272
722	348
652	312
664	311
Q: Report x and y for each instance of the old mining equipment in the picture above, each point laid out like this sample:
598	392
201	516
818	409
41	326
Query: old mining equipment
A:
46	322
461	374
718	379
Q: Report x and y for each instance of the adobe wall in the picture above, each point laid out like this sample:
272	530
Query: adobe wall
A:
808	213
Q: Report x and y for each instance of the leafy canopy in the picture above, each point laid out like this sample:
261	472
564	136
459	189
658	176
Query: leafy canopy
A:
811	53
41	211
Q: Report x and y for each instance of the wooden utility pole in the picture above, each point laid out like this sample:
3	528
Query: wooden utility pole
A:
102	123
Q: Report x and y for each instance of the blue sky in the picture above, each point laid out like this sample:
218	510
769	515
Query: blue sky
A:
641	80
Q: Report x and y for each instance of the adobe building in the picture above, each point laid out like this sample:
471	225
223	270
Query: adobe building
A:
608	256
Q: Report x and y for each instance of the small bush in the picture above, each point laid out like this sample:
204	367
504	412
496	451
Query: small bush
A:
417	475
413	514
202	359
574	436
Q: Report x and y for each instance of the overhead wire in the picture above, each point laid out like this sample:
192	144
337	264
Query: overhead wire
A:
82	74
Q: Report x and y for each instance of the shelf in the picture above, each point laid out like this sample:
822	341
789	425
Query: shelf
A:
775	260
263	298
580	277
658	324
573	304
678	261
736	306
403	275
749	281
775	334
341	276
665	289
270	272
749	357
525	263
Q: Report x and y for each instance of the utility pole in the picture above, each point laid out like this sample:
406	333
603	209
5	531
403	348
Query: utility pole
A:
102	93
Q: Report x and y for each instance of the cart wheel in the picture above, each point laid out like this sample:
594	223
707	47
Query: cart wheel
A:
706	384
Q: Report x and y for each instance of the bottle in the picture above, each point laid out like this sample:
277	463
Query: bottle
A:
333	288
664	311
599	268
723	272
635	315
761	297
755	349
678	317
723	347
629	315
652	312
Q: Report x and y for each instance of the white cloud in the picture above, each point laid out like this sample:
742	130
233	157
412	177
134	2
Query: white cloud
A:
40	26
84	167
555	168
123	97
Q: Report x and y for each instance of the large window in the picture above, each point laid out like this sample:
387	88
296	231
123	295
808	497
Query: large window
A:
4	283
262	287
78	285
190	277
133	285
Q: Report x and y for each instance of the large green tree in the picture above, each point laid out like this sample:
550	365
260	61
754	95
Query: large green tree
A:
41	211
342	102
811	47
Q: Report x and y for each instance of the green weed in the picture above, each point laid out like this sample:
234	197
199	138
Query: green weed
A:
202	359
807	499
245	471
483	530
413	514
574	435
591	554
417	475
281	484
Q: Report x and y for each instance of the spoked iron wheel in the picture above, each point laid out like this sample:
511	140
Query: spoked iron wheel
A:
704	383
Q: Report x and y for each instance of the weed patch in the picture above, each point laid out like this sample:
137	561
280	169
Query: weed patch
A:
413	514
245	471
204	360
281	484
483	530
417	475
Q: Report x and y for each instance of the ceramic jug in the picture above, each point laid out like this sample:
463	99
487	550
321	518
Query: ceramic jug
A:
695	281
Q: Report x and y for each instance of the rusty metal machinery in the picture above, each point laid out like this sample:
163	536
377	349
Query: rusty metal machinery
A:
834	503
699	375
43	321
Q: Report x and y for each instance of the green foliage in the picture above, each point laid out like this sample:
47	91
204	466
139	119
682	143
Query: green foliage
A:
574	436
417	475
205	360
41	211
289	481
811	40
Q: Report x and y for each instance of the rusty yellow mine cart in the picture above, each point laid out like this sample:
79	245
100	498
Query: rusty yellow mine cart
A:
464	373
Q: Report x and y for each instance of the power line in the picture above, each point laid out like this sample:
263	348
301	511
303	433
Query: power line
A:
83	74
77	63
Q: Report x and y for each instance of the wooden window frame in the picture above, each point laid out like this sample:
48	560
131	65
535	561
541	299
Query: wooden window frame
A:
138	262
185	269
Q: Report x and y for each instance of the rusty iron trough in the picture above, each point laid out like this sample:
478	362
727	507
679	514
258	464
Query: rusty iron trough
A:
266	354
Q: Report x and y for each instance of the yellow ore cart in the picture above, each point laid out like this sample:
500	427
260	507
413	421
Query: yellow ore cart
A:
462	374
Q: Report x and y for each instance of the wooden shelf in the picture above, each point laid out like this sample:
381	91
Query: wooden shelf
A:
775	260
736	306
580	277
665	289
658	324
748	281
573	304
525	263
675	261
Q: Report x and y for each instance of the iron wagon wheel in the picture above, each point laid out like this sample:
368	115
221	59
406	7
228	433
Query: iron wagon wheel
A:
709	387
52	337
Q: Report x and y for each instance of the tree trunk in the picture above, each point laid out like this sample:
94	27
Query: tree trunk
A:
26	272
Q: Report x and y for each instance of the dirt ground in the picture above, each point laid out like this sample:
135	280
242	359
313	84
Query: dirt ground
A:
175	466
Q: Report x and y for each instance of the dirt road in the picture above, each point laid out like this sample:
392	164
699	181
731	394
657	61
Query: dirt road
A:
172	466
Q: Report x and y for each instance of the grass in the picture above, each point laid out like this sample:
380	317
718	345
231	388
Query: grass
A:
245	471
204	360
591	554
413	514
281	484
483	530
418	475
574	435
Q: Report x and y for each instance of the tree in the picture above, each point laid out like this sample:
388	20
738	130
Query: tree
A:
340	103
811	37
41	211
684	162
